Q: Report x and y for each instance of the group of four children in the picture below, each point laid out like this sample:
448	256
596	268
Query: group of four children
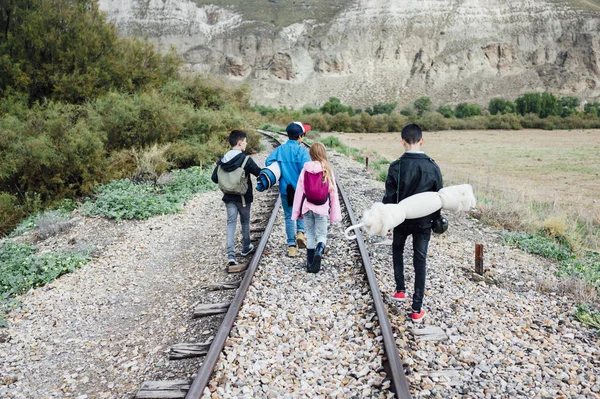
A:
307	217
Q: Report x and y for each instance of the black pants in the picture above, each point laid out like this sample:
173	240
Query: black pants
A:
421	234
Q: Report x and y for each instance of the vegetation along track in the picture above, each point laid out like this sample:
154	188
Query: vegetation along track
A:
290	333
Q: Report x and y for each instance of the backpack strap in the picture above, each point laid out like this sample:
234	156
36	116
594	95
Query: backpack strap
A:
243	165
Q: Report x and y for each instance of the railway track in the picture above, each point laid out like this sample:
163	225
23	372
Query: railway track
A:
288	333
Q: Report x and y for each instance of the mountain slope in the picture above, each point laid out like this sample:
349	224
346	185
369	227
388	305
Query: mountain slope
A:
368	51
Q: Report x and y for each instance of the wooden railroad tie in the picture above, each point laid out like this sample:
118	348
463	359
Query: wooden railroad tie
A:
209	309
225	285
237	268
187	351
429	333
163	389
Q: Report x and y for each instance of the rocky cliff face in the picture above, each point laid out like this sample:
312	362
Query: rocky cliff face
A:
374	51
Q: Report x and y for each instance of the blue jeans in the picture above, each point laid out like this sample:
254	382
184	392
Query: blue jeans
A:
316	229
233	208
421	235
290	225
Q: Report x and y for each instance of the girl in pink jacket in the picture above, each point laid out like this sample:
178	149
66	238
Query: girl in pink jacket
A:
316	200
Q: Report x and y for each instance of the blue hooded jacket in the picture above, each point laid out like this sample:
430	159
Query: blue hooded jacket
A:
291	157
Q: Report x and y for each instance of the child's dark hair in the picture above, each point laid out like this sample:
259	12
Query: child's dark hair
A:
235	136
412	133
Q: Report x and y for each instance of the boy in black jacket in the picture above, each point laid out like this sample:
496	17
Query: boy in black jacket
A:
235	204
413	173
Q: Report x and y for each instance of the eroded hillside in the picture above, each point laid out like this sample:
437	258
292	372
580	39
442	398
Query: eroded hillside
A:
369	51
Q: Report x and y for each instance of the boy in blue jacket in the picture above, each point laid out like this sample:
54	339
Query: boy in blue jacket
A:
291	158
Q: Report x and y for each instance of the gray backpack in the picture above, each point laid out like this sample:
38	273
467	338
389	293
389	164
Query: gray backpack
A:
234	182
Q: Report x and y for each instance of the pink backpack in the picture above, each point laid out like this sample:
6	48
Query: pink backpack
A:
316	191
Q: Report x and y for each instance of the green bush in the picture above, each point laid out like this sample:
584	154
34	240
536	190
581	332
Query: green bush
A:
568	106
66	51
396	122
592	108
464	110
54	153
529	103
446	110
22	269
433	121
422	105
501	106
335	106
124	199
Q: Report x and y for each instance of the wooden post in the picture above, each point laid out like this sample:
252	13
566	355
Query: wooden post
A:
479	259
367	163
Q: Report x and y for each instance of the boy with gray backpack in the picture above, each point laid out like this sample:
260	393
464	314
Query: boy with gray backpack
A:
232	174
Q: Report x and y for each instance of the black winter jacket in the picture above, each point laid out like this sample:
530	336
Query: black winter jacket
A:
418	174
251	168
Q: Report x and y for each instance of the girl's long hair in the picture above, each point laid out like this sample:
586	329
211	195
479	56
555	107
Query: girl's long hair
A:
318	153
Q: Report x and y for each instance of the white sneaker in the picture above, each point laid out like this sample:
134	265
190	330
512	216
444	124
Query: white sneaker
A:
248	251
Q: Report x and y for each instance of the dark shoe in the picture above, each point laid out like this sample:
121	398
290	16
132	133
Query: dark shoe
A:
248	251
310	257
316	266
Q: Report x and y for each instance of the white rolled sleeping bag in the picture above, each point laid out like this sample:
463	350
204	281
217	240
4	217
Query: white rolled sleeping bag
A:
381	218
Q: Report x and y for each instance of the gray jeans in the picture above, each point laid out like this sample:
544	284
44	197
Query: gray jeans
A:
316	229
233	208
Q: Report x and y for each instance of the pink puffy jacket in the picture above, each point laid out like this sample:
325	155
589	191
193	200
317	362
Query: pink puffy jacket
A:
331	207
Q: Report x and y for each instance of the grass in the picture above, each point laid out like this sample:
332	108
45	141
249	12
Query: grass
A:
125	199
22	269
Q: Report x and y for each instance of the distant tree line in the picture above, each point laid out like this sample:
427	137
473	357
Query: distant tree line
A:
531	110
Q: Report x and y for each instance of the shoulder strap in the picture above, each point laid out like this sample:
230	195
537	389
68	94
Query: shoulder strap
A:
244	163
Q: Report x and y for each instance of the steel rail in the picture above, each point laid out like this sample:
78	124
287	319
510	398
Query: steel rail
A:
203	376
399	383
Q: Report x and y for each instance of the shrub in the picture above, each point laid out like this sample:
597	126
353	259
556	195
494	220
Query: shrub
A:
446	110
383	108
340	122
335	106
434	121
422	105
66	51
380	123
151	163
408	110
529	103
54	153
21	269
549	105
501	106
124	199
396	122
317	121
568	105
465	110
592	108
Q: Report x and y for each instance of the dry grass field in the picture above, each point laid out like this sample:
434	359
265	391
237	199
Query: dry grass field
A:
548	174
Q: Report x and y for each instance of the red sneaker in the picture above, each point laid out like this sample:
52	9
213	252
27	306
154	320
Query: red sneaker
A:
417	317
399	296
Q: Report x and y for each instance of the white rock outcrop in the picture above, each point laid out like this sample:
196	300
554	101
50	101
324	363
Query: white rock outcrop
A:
384	50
